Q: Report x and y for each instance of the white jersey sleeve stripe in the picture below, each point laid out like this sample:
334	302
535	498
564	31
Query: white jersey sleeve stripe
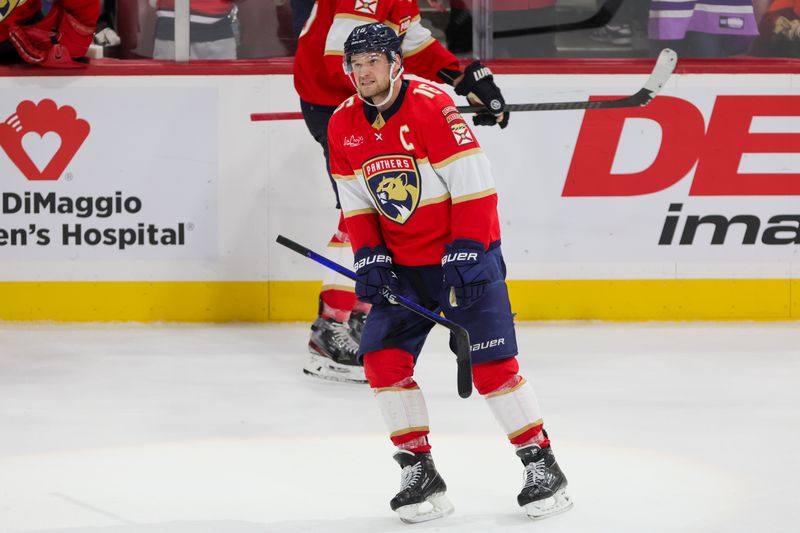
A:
416	37
467	197
452	158
437	200
354	198
356	212
468	177
342	25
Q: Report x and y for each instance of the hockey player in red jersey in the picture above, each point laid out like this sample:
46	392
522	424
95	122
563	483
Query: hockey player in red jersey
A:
420	206
59	40
322	85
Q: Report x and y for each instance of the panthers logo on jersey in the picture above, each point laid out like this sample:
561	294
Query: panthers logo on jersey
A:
394	183
8	6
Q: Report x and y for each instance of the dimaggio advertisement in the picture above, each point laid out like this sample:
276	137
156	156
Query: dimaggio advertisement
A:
127	178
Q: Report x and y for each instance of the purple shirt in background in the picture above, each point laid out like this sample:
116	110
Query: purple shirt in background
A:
671	19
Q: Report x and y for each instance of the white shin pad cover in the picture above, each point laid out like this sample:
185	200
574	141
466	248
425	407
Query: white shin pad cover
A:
403	410
338	252
516	408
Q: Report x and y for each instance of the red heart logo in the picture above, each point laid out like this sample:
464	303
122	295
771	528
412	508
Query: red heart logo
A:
43	119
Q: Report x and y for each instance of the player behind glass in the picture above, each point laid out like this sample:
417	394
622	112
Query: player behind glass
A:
322	85
420	206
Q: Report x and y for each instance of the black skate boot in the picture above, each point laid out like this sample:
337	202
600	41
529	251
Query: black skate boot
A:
419	483
544	492
356	324
333	352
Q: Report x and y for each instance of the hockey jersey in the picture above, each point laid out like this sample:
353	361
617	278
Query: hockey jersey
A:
16	12
670	20
331	21
412	177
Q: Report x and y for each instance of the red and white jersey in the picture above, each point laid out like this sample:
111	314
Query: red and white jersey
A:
318	74
413	177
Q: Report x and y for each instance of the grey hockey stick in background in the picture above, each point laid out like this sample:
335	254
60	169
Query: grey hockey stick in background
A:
460	335
665	65
599	19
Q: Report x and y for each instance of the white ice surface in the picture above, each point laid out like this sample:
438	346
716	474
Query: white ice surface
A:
130	428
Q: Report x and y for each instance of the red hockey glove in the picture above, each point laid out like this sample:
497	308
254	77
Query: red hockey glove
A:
464	276
59	38
478	84
373	268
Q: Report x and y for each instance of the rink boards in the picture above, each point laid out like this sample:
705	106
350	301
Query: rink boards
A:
153	196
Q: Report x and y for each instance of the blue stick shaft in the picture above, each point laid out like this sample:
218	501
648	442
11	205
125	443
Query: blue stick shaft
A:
458	334
346	272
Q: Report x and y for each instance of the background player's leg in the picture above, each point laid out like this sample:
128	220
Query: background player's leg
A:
335	334
513	402
402	404
333	344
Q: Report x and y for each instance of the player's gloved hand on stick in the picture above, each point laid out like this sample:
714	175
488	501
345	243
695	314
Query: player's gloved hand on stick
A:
464	275
479	88
373	267
787	29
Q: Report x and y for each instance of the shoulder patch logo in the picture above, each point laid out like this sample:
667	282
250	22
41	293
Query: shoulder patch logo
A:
395	185
449	110
461	133
370	7
404	25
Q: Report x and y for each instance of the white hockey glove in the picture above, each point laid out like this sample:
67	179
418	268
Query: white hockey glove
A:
107	37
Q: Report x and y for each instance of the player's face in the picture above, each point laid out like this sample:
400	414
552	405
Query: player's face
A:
371	72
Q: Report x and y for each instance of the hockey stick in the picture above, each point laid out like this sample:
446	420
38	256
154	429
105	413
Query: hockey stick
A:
665	65
599	19
461	336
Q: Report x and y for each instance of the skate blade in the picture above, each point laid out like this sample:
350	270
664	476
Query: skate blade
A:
440	506
556	504
324	368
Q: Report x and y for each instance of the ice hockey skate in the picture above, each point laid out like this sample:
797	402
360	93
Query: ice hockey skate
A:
544	492
422	490
333	353
356	324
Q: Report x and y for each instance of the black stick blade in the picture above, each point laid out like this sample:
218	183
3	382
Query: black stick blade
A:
463	360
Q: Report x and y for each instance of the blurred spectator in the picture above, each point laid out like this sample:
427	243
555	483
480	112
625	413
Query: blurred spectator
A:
58	39
212	24
780	30
266	29
631	18
711	28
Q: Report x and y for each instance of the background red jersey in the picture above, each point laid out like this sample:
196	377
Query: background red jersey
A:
318	74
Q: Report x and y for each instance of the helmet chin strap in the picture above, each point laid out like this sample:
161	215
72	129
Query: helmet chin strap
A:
392	80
